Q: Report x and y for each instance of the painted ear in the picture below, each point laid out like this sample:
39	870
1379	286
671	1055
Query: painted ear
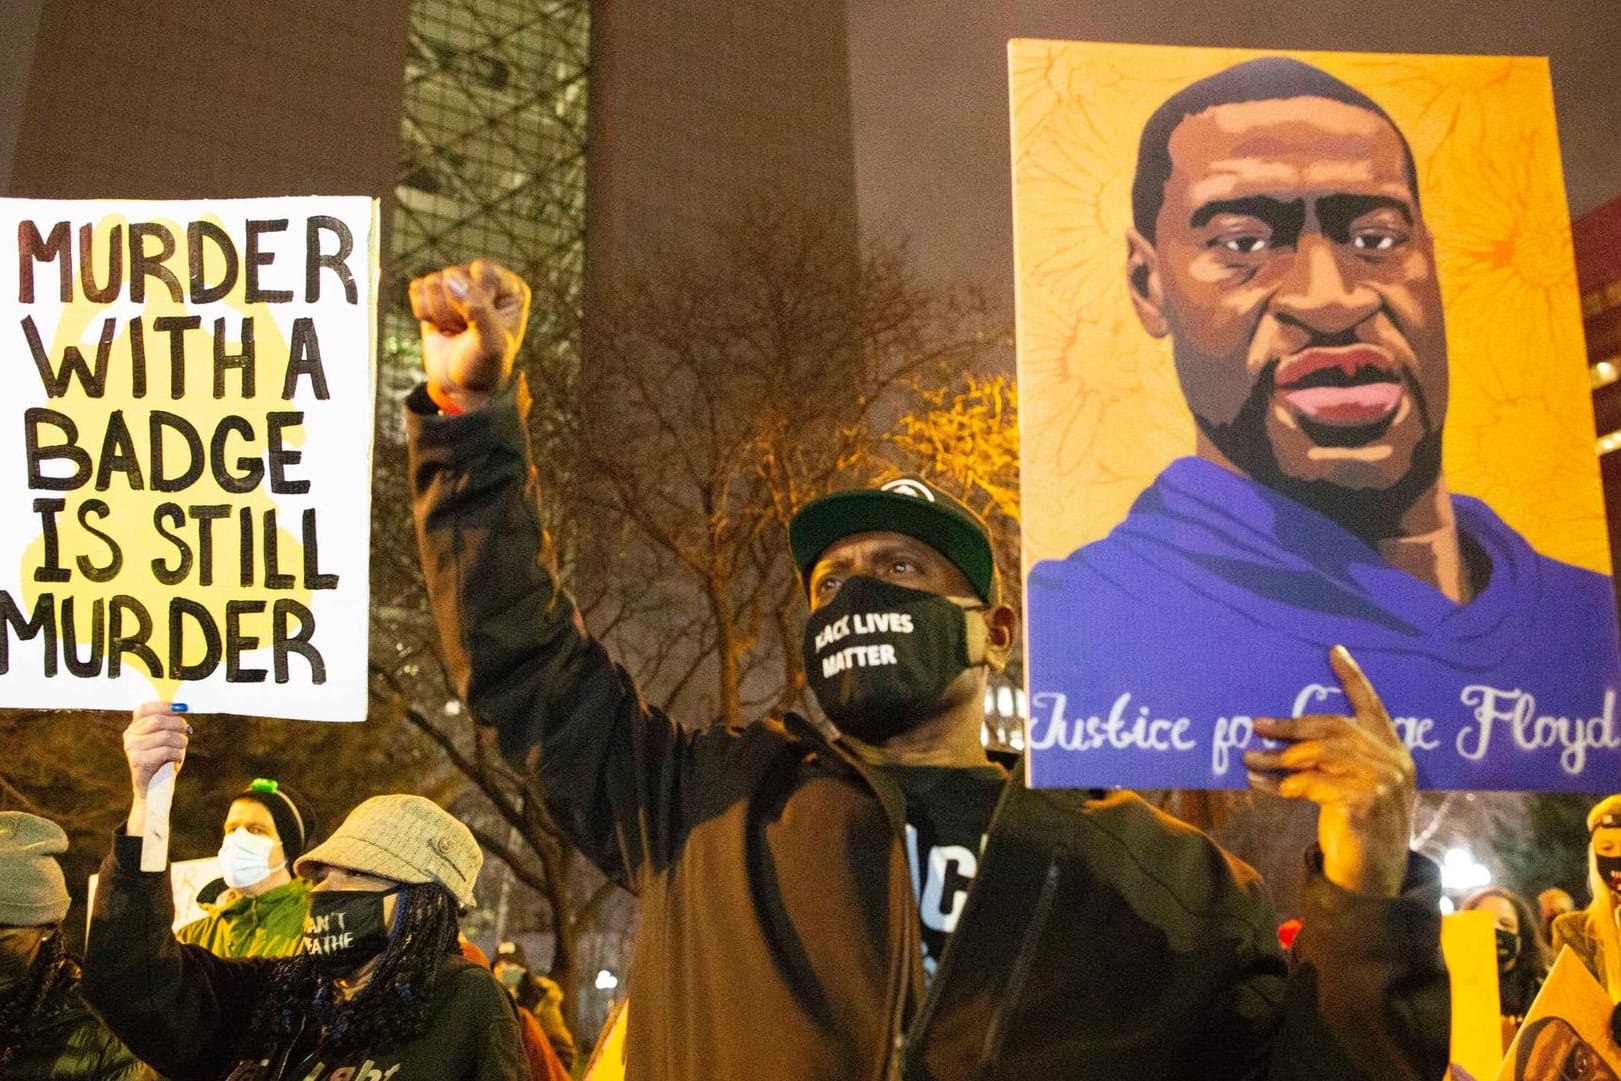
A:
1143	280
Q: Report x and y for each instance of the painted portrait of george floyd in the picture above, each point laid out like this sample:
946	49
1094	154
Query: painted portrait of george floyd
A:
1300	364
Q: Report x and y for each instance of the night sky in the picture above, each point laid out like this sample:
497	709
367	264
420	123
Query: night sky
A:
929	88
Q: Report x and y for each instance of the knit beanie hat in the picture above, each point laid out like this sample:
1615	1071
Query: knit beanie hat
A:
32	890
294	818
406	839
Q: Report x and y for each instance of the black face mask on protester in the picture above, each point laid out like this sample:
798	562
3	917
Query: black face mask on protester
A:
1508	949
344	930
879	656
1609	869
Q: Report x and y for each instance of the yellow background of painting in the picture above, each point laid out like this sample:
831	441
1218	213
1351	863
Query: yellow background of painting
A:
1101	412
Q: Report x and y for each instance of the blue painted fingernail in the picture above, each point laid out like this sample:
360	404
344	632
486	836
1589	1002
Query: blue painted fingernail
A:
189	730
179	707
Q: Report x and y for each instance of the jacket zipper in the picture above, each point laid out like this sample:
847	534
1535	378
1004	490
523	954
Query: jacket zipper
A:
904	1041
995	1031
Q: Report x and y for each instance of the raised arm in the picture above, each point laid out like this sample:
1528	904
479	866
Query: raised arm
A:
611	767
179	1008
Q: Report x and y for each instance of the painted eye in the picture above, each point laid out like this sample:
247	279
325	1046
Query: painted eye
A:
1375	241
1248	244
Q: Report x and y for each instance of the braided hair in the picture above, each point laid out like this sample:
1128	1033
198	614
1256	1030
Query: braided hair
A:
51	966
390	1010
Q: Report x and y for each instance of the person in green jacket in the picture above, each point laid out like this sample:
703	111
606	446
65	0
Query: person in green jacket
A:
257	907
46	1031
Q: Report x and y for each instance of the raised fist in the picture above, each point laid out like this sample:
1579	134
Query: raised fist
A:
473	319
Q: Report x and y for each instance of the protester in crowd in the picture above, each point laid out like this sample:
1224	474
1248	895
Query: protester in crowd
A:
798	890
544	1064
380	988
46	1031
537	995
1522	956
1591	932
256	908
1551	904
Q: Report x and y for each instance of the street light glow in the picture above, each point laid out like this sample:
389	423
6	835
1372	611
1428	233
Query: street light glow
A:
1460	872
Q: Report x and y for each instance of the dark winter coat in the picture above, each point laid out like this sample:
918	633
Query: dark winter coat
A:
186	1011
64	1041
779	933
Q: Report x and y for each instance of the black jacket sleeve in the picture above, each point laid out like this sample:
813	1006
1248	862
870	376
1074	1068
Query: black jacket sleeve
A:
1368	980
178	1008
612	768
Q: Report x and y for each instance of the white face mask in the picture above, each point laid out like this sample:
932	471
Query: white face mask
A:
245	858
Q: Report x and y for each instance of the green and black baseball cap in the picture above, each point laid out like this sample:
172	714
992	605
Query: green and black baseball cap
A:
907	505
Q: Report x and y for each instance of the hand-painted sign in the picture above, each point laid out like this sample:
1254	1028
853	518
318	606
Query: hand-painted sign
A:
185	458
1567	1033
1301	364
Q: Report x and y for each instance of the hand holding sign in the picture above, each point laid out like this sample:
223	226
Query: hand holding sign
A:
154	742
1358	771
473	320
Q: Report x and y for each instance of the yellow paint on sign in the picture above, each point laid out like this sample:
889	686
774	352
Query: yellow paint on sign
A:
1469	943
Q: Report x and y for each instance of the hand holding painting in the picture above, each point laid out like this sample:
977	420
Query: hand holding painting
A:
155	745
1360	774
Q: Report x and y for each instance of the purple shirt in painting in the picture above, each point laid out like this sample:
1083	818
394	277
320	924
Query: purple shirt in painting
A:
1217	600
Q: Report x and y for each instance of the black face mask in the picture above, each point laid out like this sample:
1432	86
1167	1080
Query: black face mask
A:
1609	869
879	657
1508	949
344	930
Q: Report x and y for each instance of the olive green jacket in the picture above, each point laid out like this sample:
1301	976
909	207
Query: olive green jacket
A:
269	925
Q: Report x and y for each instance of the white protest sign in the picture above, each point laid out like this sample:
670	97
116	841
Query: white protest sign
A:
185	453
186	880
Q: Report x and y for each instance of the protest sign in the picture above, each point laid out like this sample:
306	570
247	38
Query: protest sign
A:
185	454
186	881
608	1059
1469	943
1300	364
1567	1034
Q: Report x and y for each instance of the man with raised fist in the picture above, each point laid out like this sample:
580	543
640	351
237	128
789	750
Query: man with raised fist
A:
889	903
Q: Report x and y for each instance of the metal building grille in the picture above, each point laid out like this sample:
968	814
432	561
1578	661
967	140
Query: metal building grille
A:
493	162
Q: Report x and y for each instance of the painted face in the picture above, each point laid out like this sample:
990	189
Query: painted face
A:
1297	281
1553	1049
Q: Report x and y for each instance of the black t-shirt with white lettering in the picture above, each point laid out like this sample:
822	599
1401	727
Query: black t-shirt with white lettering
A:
948	810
